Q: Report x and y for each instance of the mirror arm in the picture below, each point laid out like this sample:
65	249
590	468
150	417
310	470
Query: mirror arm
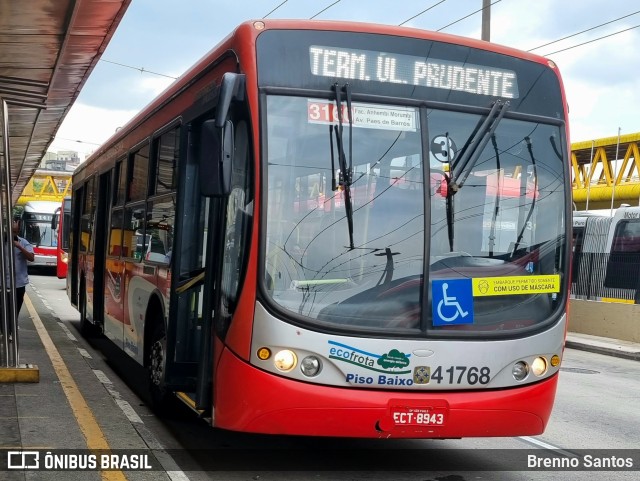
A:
231	88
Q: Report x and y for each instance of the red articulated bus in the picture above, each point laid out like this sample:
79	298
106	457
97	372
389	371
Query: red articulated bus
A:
60	226
338	229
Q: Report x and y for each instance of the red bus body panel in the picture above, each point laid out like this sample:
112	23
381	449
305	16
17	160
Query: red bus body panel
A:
277	405
62	266
249	399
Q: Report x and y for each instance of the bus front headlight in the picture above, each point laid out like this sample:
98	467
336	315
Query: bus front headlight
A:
311	366
520	370
285	360
539	366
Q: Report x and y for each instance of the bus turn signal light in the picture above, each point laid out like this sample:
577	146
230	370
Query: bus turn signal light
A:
264	353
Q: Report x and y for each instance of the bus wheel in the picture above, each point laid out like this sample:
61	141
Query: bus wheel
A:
156	366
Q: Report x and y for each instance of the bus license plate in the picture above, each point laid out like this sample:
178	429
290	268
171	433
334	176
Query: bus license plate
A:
417	416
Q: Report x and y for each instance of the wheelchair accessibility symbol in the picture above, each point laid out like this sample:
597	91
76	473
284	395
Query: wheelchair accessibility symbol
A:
452	302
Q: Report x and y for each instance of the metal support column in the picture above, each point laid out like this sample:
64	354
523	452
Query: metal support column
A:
10	368
7	266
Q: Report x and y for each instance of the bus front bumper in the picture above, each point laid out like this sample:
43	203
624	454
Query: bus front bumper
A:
251	400
41	260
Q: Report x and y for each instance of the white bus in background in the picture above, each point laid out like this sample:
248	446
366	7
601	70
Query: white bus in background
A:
36	228
606	255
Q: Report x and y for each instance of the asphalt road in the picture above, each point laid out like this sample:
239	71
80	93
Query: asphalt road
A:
596	416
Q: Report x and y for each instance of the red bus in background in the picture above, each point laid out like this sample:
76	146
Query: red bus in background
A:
338	229
36	227
60	224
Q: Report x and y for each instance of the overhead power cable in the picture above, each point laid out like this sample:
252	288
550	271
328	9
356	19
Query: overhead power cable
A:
467	16
582	31
285	1
324	9
591	41
424	11
78	141
140	69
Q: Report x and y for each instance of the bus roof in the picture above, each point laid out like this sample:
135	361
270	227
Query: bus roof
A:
43	206
251	29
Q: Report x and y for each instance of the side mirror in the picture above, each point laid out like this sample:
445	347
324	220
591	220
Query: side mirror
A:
217	140
231	88
216	158
54	220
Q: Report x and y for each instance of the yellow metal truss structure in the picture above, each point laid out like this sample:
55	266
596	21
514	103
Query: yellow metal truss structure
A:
606	169
47	185
601	168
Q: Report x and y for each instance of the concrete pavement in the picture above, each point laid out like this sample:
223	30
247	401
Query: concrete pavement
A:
604	345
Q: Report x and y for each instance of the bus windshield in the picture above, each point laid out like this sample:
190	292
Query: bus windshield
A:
501	229
38	230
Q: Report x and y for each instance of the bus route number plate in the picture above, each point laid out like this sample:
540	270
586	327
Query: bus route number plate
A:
418	416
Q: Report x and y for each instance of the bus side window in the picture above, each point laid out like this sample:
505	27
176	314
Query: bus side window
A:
87	219
115	233
159	229
623	267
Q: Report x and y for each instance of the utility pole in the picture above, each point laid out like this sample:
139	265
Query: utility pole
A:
486	20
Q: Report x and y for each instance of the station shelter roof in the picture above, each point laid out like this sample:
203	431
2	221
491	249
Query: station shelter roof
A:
48	49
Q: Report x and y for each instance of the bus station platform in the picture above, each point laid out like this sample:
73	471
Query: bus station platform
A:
79	403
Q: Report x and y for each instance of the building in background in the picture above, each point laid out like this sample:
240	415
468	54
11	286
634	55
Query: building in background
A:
62	160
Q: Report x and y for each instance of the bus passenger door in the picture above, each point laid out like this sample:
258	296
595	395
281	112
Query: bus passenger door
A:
100	247
204	237
114	259
74	247
196	273
185	328
227	249
114	279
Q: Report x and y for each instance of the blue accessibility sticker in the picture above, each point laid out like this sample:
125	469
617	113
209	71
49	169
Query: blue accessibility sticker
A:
452	302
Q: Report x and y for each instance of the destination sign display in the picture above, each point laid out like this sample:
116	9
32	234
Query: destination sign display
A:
374	66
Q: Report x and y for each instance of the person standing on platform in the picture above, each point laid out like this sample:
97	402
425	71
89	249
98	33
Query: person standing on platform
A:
22	252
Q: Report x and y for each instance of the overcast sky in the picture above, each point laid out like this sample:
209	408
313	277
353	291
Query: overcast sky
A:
168	36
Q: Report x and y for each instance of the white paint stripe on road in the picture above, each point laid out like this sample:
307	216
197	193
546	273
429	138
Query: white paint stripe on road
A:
166	461
128	411
102	377
67	331
544	445
176	475
84	353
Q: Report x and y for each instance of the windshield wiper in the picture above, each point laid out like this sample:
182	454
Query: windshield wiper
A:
346	173
496	209
44	233
474	147
523	195
471	152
